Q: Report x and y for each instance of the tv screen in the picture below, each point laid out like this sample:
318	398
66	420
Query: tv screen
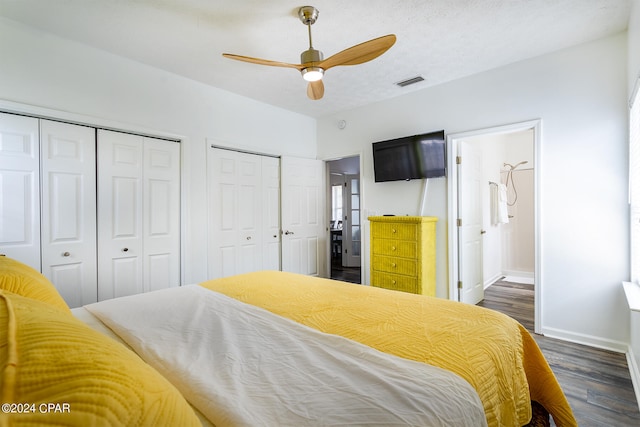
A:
410	157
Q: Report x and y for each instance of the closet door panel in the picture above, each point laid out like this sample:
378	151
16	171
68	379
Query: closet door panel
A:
161	225
235	207
120	204
271	213
20	187
69	210
249	211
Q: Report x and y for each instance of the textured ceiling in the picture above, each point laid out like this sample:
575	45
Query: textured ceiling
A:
441	40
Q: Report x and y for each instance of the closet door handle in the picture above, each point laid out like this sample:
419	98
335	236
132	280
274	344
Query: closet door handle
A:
248	237
288	232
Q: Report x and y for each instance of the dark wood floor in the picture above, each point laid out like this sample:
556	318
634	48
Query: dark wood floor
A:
346	274
596	382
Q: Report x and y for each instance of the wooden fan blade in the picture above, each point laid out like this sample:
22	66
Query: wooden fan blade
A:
360	53
315	90
298	67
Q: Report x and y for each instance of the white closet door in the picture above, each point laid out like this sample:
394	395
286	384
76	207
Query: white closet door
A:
161	225
138	214
120	202
236	213
20	189
249	213
303	223
270	213
68	159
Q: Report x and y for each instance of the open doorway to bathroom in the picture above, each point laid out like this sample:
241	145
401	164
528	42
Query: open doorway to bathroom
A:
345	219
494	210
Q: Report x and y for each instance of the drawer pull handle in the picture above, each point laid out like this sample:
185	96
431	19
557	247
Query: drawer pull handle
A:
393	248
66	254
393	264
393	282
125	249
393	230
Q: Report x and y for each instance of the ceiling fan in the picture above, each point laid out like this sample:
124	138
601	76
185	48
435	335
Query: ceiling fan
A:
313	65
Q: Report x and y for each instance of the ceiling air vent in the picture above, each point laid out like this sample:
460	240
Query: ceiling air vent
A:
410	81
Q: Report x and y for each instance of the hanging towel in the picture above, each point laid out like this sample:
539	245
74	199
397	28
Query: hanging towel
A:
503	214
493	202
498	203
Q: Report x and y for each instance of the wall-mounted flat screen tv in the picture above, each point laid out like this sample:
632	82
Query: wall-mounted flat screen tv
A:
410	157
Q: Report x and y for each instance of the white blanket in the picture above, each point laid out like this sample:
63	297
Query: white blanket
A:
241	365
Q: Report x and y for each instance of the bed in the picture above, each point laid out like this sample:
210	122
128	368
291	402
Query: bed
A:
278	349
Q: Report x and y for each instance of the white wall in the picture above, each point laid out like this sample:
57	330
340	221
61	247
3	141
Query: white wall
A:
634	45
580	95
55	77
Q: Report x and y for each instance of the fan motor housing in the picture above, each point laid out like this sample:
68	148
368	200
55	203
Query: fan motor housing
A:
311	55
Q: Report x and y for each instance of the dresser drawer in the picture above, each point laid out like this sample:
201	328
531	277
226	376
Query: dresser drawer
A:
394	230
396	248
395	282
389	264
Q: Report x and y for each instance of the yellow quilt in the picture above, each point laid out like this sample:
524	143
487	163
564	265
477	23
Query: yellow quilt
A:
493	352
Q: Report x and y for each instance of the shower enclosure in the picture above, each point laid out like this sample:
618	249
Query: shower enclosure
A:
518	257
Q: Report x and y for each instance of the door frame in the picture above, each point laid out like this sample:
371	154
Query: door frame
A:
364	248
452	208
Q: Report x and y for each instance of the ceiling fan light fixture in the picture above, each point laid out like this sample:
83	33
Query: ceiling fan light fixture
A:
312	64
312	74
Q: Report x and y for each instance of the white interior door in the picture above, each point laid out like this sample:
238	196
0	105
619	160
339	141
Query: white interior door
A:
243	212
351	229
470	232
303	223
161	208
120	167
69	260
20	189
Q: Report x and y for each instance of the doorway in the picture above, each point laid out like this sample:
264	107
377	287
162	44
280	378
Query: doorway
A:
345	225
493	210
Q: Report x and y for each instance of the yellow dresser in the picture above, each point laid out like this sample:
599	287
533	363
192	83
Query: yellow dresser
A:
403	253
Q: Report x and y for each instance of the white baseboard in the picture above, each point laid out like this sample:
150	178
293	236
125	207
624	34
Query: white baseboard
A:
518	273
590	340
634	371
492	280
520	279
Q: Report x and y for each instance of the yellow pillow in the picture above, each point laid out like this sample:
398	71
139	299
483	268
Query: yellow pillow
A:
21	279
58	371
